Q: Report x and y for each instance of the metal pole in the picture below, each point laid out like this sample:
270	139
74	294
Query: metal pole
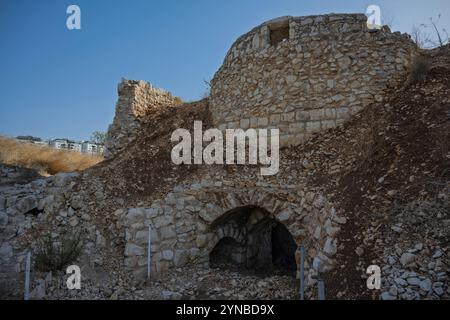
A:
302	272
149	251
26	295
321	289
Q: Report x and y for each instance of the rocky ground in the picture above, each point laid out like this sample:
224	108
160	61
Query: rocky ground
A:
182	283
397	198
13	175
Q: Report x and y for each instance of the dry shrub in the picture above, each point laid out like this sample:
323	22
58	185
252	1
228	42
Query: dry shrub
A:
54	256
178	101
419	69
44	159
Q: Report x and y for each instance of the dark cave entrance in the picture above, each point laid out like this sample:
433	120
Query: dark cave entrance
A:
283	249
264	246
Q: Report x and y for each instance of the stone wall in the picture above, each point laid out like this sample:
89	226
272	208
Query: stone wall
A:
306	74
137	99
24	211
185	230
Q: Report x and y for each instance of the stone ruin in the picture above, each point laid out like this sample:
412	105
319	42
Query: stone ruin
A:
136	100
298	74
306	74
256	229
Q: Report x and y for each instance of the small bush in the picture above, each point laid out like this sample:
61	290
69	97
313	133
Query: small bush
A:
178	100
53	256
420	68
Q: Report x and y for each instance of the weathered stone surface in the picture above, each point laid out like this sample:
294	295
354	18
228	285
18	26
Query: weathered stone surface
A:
6	251
407	258
3	219
315	73
133	250
330	246
136	99
181	257
167	254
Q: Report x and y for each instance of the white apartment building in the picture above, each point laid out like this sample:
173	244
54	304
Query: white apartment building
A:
82	147
92	148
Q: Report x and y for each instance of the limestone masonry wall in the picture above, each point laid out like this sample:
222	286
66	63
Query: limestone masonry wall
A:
306	74
136	100
185	229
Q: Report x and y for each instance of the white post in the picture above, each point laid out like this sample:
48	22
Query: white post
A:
321	289
302	272
26	295
149	251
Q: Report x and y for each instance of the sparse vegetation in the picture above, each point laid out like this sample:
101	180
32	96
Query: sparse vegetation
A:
45	160
52	255
178	100
420	68
436	38
98	137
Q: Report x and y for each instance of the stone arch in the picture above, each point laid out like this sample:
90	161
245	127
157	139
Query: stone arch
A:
183	223
278	204
254	240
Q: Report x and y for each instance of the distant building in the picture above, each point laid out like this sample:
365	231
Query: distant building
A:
91	148
59	143
87	147
41	143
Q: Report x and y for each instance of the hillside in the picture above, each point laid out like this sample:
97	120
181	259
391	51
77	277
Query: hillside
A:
376	188
387	170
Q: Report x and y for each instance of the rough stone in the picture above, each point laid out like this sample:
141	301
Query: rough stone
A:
407	258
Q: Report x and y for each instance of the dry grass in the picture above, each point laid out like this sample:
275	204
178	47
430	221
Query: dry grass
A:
45	160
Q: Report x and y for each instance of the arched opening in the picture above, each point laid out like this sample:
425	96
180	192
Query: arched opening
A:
283	249
251	241
227	253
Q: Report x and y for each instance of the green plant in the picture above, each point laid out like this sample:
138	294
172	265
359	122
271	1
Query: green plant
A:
53	256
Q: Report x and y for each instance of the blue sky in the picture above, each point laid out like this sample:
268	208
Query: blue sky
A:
60	83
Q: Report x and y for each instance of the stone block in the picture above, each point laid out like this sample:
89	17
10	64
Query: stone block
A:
328	124
263	122
313	126
167	255
289	117
317	114
167	232
275	118
181	257
343	113
302	116
329	114
133	250
245	123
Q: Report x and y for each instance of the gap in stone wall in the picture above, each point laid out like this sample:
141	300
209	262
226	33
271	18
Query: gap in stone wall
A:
251	242
279	33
